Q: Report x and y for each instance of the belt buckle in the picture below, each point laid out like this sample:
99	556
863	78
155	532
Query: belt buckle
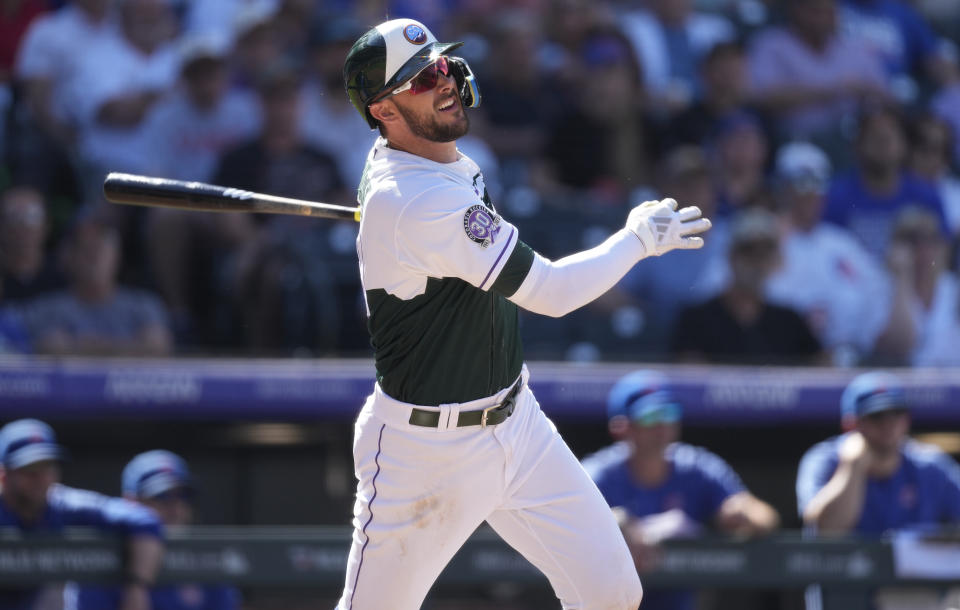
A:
483	415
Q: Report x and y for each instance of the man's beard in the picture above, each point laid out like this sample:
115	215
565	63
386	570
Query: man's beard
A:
429	129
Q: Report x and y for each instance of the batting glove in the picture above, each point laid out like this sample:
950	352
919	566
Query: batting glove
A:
661	227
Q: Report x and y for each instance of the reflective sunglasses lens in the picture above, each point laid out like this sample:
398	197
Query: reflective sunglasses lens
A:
427	79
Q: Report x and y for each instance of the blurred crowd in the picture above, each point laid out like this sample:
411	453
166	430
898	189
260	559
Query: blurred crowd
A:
819	135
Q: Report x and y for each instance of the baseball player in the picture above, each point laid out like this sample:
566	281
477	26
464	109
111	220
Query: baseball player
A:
161	481
452	435
873	478
662	489
33	502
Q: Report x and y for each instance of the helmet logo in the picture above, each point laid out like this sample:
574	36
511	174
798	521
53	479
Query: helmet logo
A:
415	34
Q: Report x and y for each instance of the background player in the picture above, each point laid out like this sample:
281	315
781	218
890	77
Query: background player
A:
660	488
33	501
161	481
452	435
873	478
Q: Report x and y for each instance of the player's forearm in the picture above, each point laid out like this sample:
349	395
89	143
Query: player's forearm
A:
555	288
145	554
896	341
838	506
746	515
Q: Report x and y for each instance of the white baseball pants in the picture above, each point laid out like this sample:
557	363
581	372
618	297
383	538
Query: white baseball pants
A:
423	491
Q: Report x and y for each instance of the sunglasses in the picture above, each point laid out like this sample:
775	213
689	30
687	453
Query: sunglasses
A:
426	79
667	414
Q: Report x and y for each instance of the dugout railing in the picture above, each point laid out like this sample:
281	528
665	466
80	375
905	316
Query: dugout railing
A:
316	557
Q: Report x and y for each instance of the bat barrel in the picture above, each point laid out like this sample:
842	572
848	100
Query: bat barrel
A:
201	197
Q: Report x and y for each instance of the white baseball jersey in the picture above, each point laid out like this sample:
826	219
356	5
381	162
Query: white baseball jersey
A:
437	263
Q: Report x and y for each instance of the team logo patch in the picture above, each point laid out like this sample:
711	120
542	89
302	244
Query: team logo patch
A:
415	34
480	225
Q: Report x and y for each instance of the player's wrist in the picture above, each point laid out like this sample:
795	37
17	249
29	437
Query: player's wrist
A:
634	238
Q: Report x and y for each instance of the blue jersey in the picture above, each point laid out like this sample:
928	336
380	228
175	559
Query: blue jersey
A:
698	483
68	507
871	217
171	597
923	492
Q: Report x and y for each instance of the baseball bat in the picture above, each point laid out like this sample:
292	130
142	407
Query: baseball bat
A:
132	189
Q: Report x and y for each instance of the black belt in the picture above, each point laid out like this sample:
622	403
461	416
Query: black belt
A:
490	416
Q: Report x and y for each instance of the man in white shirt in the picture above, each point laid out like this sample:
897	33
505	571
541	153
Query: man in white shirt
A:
826	274
120	79
49	58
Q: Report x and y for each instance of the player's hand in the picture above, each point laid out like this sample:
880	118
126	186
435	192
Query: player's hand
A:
855	452
661	227
900	261
646	556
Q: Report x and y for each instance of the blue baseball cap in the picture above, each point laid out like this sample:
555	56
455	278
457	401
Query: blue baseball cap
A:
645	398
27	441
155	472
872	392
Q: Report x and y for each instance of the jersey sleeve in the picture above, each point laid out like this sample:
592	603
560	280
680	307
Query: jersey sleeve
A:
87	508
448	232
816	468
951	489
720	481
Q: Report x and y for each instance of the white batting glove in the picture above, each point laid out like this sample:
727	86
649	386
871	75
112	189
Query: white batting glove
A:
661	227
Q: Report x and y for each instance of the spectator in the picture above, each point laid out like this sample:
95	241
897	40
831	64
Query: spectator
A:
896	33
188	132
662	489
33	501
25	270
189	129
282	295
277	160
49	58
95	316
670	39
931	148
808	76
605	144
661	287
724	78
826	274
14	338
42	135
738	151
924	322
327	121
946	104
740	325
866	199
217	16
256	42
521	99
114	104
161	481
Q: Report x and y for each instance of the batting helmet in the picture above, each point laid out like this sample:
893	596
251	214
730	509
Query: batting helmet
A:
394	52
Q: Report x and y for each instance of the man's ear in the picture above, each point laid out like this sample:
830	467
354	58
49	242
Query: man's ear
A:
848	423
384	111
